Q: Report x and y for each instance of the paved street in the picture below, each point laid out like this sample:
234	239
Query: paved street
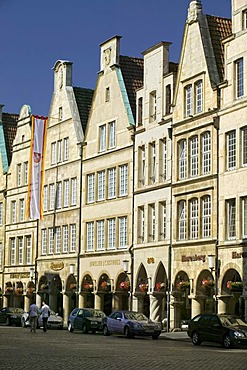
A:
20	349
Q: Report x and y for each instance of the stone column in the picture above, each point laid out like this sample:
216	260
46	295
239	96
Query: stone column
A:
223	304
26	303
66	310
196	306
154	308
98	302
38	300
5	301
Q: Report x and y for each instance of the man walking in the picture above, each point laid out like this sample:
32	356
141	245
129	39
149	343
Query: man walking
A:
33	316
45	311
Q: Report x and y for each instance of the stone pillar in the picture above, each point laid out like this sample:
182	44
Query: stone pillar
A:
134	303
116	301
98	302
66	310
38	300
154	308
195	306
5	301
26	303
223	304
245	308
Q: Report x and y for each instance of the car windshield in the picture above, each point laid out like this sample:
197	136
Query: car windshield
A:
16	310
135	316
232	321
94	313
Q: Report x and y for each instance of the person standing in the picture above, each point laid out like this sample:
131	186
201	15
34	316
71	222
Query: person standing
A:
45	312
33	316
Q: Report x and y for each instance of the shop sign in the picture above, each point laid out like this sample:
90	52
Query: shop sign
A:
104	263
57	266
150	260
20	276
195	257
236	255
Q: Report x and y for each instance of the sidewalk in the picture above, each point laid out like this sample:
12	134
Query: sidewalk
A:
176	335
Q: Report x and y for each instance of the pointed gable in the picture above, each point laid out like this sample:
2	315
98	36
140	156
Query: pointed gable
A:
219	28
132	71
8	127
83	99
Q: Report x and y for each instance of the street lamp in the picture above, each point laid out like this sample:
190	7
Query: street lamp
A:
126	266
213	265
31	273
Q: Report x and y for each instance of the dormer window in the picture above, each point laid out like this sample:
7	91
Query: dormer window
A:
152	106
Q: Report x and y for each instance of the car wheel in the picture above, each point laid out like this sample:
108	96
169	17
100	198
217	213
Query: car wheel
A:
84	329
93	331
196	339
155	336
127	332
70	328
105	331
227	341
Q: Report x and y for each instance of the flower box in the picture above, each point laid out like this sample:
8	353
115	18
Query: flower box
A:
207	283
43	286
72	286
104	285
143	287
30	290
235	286
88	286
183	284
124	285
160	286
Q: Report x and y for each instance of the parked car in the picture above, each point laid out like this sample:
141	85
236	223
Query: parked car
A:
54	321
228	330
85	319
11	315
130	323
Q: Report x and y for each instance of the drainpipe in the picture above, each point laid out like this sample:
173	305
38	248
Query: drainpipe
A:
170	244
80	228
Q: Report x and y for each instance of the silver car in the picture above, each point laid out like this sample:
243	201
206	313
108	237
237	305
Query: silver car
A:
54	321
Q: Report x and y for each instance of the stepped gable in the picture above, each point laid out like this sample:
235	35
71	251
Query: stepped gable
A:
132	71
219	29
83	99
9	128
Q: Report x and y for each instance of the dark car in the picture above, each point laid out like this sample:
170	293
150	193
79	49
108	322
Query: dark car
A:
86	320
11	316
130	323
228	330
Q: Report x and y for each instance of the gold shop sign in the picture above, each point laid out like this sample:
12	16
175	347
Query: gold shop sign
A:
196	257
239	255
104	263
150	260
20	276
57	266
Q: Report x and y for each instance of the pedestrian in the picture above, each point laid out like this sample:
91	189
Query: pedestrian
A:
33	316
45	312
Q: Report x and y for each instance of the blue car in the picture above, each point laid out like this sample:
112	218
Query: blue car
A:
130	324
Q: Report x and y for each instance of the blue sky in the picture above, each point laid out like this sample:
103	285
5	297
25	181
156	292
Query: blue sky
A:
35	34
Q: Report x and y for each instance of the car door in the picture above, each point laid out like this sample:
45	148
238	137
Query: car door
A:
113	322
3	315
78	319
216	330
203	327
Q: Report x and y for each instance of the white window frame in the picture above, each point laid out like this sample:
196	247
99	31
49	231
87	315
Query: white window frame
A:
244	217
25	173
239	78
58	239
188	100
72	237
194	156
45	198
65	239
59	151
111	233
163	143
206	153
194	219
112	134
13	251
44	242
206	217
100	235
153	162
59	195
182	165
1	214
231	150
244	146
90	237
19	174
122	226
123	180
101	185
51	240
66	148
28	241
198	97
52	196
74	191
20	250
21	210
182	220
102	137
91	188
1	255
13	211
231	218
66	193
112	183
53	153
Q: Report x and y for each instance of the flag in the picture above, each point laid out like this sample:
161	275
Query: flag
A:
36	168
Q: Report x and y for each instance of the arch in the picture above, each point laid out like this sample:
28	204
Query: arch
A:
87	283
104	284
231	282
181	282
71	284
123	283
142	280
160	279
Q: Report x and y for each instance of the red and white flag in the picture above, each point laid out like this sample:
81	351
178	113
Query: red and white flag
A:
36	168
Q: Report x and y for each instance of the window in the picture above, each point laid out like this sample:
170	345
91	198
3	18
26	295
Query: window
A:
72	238
43	242
100	235
198	97
231	150
194	219
20	250
244	15
152	106
188	101
29	249
58	240
59	151
194	156
1	255
231	218
107	94
45	198
182	149
51	240
239	71
90	188
182	220
19	175
1	214
13	212
112	134
141	224
25	173
206	216
60	113
74	192
163	159
168	102
65	239
122	232
53	153
112	233
152	162
142	164
21	210
244	146
59	195
162	220
66	193
112	183
102	138
151	222
140	109
101	185
90	237
66	148
52	196
123	185
12	251
244	217
206	153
